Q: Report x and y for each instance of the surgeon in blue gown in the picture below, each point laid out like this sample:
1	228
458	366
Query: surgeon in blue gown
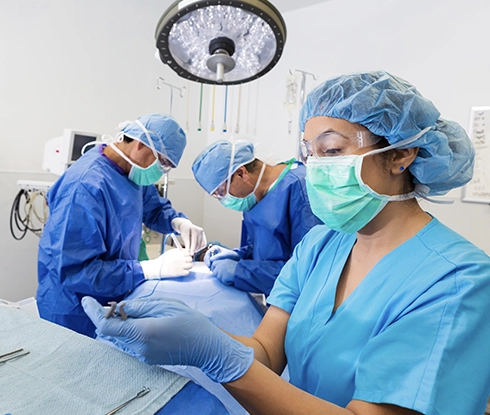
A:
91	241
382	311
276	212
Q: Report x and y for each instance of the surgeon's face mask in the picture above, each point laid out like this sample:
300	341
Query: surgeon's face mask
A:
242	204
337	194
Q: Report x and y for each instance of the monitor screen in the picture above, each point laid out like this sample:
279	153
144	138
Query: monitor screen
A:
79	140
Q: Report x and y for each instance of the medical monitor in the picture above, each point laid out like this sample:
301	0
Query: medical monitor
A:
61	152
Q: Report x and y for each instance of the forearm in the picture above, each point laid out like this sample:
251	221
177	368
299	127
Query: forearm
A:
268	340
260	391
259	351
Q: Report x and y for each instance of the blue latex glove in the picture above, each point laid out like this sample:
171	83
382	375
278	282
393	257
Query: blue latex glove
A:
168	332
216	252
224	270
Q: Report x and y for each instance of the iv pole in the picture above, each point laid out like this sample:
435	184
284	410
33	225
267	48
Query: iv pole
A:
301	102
182	90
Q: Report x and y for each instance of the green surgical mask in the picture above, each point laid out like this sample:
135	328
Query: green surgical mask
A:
142	176
339	197
241	204
146	176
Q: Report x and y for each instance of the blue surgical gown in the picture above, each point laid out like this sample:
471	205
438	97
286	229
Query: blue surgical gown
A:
91	240
271	230
414	333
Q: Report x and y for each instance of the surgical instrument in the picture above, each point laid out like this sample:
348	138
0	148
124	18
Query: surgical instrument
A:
15	352
112	310
140	394
176	241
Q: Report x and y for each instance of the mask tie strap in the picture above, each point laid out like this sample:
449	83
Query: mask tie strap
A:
105	139
230	168
421	192
119	151
148	137
262	170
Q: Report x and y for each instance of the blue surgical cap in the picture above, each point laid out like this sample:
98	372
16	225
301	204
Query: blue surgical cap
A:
391	107
212	166
167	137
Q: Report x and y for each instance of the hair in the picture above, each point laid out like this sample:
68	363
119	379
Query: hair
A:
127	139
253	166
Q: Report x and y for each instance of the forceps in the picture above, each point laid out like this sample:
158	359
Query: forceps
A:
140	394
15	353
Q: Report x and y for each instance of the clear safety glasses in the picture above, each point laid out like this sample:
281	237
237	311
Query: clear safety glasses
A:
333	143
165	163
220	191
224	187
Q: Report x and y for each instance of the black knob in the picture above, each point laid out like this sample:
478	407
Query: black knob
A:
223	43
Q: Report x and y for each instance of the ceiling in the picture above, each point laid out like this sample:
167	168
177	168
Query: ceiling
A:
282	5
287	5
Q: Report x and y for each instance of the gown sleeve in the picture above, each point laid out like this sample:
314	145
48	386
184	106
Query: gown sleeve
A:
80	246
285	218
158	211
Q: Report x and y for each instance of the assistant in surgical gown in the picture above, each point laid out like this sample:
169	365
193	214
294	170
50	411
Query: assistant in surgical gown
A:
414	333
90	243
271	230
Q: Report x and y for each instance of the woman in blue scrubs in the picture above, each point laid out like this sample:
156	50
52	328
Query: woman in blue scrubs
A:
382	311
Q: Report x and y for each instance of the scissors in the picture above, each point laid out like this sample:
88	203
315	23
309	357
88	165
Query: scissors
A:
112	311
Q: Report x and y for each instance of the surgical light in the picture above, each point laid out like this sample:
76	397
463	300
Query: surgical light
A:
223	42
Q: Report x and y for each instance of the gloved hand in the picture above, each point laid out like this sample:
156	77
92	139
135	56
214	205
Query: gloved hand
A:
168	332
216	252
193	236
224	270
173	263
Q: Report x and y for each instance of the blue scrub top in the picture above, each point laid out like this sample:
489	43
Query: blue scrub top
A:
271	230
91	240
414	333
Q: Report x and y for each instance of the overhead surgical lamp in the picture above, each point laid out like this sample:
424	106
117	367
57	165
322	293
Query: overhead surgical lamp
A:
222	42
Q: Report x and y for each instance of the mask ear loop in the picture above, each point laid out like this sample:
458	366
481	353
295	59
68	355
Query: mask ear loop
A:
401	143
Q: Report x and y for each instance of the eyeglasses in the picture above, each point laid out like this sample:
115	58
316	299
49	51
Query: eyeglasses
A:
331	144
165	162
220	191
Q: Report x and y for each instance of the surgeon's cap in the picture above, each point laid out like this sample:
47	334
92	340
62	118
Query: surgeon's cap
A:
212	166
167	137
391	107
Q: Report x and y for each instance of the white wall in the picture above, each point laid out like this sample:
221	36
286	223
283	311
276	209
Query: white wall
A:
76	64
90	65
441	46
